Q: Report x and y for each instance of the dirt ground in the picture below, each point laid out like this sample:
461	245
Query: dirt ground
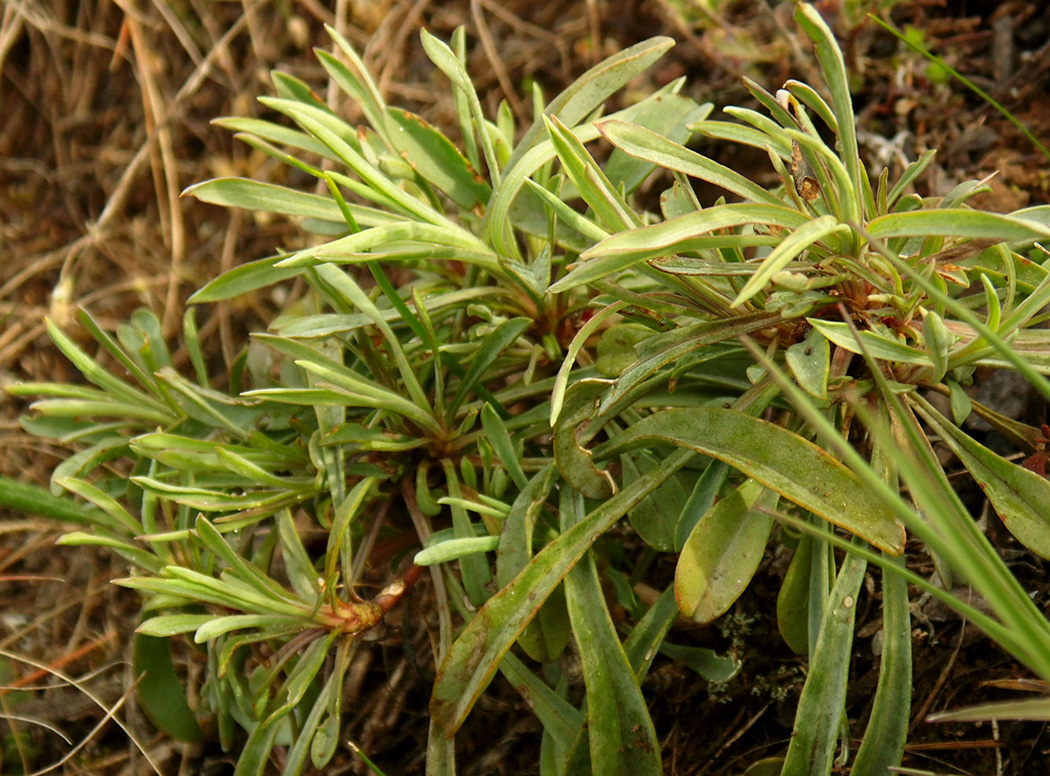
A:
104	120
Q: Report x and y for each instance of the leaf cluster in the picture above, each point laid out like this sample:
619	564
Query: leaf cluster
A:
501	352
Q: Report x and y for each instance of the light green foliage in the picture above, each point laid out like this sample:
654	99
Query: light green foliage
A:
553	359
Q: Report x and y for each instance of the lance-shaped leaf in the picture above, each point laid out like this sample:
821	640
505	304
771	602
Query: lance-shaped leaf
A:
1020	496
788	250
690	232
436	159
876	345
475	655
792	466
652	147
822	704
957	222
888	726
620	732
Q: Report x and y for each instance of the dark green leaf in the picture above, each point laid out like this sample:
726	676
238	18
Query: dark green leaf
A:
160	692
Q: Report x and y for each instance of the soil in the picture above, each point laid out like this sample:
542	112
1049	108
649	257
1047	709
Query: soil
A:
106	109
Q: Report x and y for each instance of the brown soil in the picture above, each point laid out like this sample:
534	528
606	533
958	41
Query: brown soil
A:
106	109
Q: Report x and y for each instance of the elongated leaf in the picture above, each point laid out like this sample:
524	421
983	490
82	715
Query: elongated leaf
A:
621	734
499	439
515	548
690	232
792	466
833	66
447	61
173	624
957	222
820	709
560	718
1037	709
266	198
596	190
876	345
454	549
436	159
146	406
793	598
475	655
332	131
786	251
160	692
34	500
246	278
427	236
594	87
507	208
1020	496
723	552
137	556
652	147
887	728
678	233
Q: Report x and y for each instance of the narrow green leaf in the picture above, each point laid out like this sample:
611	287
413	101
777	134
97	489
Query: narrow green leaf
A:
262	197
446	60
620	732
454	549
244	279
566	215
173	624
297	564
105	502
1037	709
793	598
561	381
33	500
436	159
497	435
822	704
560	719
652	147
137	556
330	130
792	466
146	406
254	756
887	730
272	624
594	87
515	549
597	191
957	222
474	656
160	692
355	78
1019	496
786	251
877	346
833	67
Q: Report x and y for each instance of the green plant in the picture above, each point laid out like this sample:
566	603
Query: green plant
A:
686	361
